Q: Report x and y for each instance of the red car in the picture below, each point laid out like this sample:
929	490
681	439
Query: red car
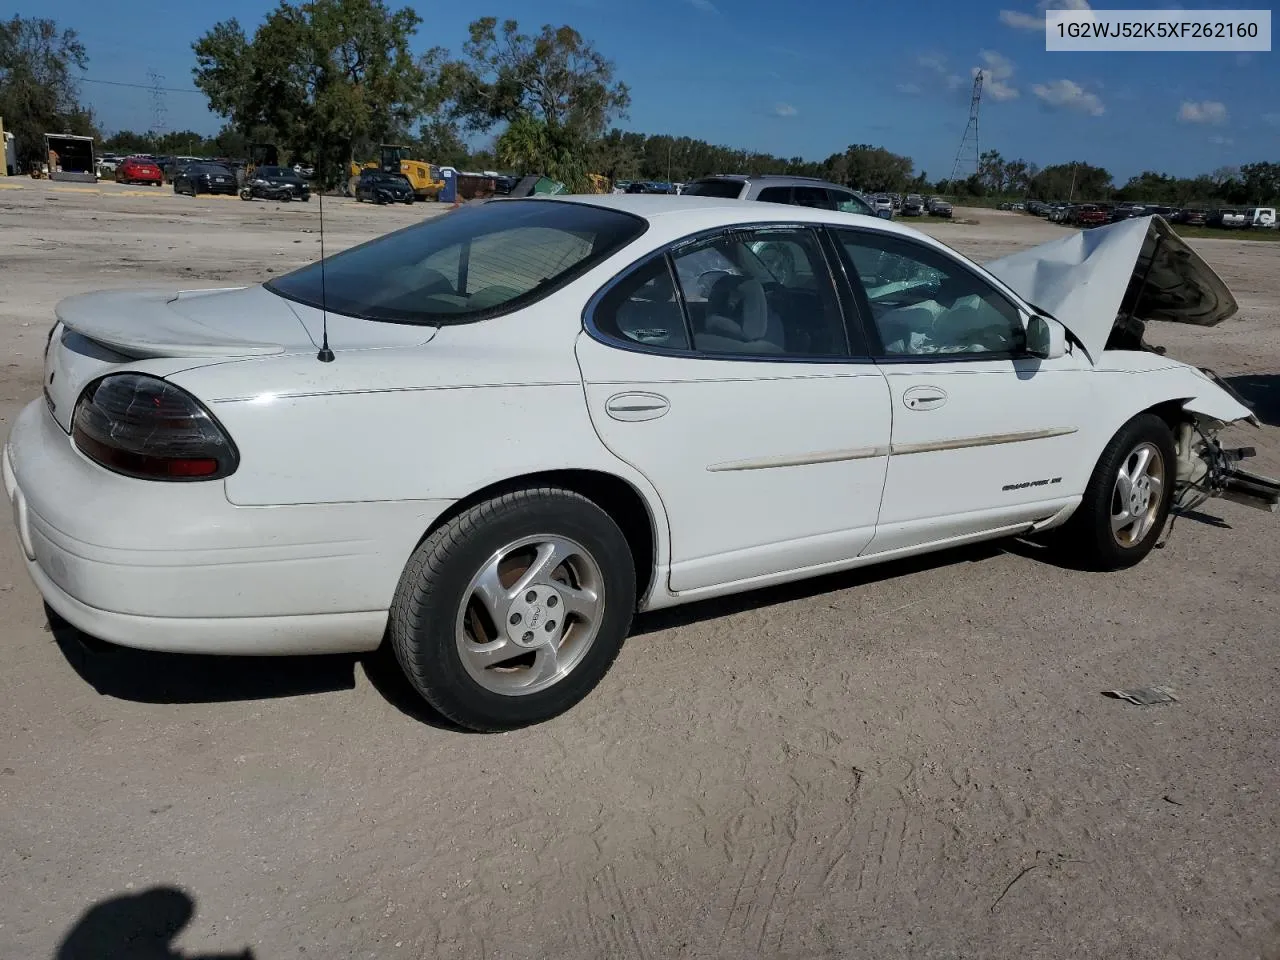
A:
138	170
1090	215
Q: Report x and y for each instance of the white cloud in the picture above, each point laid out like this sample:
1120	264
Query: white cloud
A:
1021	21
1035	21
996	71
911	89
1221	141
1273	119
1069	95
938	65
784	110
1203	111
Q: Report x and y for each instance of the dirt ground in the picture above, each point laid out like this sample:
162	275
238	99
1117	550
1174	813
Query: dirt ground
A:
909	761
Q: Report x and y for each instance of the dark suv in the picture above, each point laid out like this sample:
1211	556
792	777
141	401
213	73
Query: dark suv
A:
773	188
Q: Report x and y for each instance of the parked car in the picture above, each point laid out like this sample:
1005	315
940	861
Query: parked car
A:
1192	216
940	208
771	188
1262	217
138	170
1089	215
913	205
198	178
1228	218
883	206
344	502
1058	212
379	187
284	177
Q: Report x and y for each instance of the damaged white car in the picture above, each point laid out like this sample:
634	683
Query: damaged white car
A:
492	437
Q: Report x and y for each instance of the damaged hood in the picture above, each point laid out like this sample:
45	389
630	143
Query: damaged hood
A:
1134	269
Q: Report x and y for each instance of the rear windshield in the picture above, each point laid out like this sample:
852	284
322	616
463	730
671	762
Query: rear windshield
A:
728	189
280	173
473	263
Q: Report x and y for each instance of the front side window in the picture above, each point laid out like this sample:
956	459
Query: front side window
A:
923	303
466	265
847	202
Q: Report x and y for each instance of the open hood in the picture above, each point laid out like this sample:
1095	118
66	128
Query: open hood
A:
1094	280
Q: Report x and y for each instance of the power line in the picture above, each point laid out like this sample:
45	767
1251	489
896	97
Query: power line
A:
138	86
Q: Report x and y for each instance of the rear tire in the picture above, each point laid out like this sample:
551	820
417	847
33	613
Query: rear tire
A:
512	612
1127	501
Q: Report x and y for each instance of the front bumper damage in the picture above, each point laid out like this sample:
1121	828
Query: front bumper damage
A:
1207	469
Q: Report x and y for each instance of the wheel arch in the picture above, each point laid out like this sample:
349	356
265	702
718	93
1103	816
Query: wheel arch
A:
619	498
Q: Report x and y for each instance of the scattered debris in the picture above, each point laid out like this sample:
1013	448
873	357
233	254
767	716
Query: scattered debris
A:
1170	798
1143	696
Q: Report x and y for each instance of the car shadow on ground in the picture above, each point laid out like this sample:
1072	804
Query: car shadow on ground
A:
1262	392
148	676
140	926
804	589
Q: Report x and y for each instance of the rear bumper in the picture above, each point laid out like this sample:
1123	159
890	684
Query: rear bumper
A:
175	566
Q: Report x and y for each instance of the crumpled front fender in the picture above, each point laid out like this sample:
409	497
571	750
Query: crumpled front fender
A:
1217	400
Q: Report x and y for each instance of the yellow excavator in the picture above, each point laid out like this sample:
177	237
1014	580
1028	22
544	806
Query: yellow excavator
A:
424	177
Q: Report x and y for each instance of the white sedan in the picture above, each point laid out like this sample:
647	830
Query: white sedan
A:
491	437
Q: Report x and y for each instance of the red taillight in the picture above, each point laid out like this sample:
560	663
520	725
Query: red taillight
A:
145	427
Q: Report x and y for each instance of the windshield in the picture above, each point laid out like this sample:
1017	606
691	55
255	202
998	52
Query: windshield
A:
280	173
467	265
728	189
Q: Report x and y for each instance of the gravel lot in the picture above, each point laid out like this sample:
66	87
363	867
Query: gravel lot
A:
908	761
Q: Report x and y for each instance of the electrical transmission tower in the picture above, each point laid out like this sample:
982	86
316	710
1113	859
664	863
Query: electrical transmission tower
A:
157	104
964	156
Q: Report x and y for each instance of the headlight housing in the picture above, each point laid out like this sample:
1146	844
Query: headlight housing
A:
144	427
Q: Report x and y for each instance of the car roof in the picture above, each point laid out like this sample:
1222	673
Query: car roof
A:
775	178
664	207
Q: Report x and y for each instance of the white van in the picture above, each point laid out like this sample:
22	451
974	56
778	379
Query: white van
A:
1264	217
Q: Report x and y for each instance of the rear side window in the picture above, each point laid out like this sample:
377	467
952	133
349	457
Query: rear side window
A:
812	197
465	265
775	195
728	189
644	309
753	293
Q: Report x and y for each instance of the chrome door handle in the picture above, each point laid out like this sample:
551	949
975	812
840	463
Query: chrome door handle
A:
924	398
636	406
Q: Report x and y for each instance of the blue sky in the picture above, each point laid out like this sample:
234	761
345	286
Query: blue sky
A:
805	79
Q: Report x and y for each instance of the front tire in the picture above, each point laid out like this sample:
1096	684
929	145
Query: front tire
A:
513	611
1128	498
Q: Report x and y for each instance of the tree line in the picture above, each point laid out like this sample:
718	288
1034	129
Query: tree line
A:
328	80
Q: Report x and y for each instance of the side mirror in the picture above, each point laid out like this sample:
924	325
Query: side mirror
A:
1046	338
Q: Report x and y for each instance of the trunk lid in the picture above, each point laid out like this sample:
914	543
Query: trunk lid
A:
164	331
1097	280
